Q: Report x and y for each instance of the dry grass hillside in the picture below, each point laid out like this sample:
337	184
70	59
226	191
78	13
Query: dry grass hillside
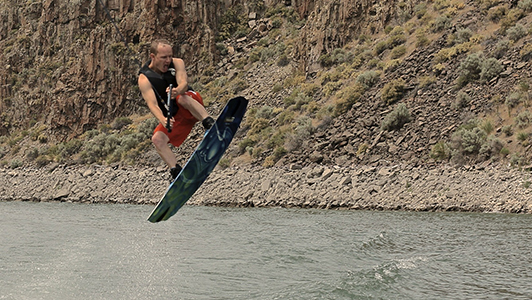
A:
445	81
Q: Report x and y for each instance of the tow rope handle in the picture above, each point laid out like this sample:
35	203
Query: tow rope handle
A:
169	113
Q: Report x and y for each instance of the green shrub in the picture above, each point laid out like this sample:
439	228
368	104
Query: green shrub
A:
259	125
239	85
398	51
426	81
504	151
395	38
224	163
462	100
245	144
331	87
468	141
511	19
362	148
285	117
147	127
338	56
3	151
441	23
279	152
368	78
381	47
512	101
393	91
222	49
348	96
32	154
463	35
397	118
516	32
440	151
501	48
496	14
490	68
487	126
283	61
69	148
41	161
421	39
420	10
392	65
121	122
275	140
254	54
517	160
267	53
507	130
15	163
301	134
265	112
523	119
526	52
522	136
490	148
525	5
470	68
232	23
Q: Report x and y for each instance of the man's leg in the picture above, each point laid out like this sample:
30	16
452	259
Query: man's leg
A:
160	141
194	107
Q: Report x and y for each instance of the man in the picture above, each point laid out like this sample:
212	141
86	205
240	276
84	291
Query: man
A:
154	79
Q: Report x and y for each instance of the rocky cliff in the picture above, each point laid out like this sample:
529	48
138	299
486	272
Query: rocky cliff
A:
345	65
68	67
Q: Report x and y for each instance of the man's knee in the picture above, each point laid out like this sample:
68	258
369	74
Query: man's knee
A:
159	139
185	101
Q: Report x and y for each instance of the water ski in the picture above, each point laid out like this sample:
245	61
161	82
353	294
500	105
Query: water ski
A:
202	161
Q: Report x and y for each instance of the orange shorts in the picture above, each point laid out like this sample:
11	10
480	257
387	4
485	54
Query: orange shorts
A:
183	122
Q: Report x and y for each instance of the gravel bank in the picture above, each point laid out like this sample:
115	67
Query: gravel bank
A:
439	188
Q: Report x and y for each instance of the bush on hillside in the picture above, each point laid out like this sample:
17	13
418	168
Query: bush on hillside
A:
512	101
491	148
476	67
516	32
397	118
523	119
489	69
501	48
348	96
470	68
120	123
440	151
441	23
368	78
462	100
393	91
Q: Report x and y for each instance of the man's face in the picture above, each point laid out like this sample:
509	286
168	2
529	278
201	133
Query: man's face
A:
162	59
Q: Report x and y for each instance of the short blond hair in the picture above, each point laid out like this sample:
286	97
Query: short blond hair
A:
155	45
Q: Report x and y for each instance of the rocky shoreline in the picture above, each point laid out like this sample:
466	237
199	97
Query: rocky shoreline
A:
483	188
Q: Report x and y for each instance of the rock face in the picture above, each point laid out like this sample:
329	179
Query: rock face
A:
332	24
68	67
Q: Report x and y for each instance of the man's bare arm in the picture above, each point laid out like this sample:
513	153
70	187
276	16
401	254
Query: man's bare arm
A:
180	76
149	96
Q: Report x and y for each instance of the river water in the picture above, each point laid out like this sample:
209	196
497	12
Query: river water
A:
95	251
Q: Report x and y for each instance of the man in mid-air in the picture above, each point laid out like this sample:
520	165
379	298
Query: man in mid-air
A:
186	106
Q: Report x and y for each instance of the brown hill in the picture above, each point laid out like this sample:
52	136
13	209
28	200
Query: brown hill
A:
330	82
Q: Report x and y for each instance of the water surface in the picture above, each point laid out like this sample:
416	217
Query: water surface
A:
88	251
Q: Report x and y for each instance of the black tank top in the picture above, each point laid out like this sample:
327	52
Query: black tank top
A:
159	83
